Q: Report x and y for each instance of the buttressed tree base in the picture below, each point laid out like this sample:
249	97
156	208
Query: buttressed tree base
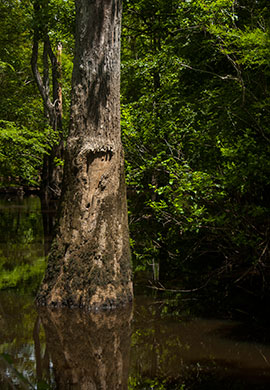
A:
89	263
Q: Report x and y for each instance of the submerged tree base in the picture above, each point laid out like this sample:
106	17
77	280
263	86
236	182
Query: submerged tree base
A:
89	262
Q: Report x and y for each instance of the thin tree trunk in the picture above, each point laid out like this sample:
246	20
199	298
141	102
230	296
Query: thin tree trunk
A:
52	173
89	264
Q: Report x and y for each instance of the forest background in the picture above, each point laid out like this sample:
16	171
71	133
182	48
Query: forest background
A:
195	129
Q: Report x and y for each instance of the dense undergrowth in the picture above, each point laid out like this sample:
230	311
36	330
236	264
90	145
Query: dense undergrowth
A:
195	128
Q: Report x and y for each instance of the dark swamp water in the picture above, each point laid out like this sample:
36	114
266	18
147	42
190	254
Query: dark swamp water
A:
147	346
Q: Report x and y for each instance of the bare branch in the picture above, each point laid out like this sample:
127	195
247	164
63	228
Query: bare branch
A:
227	77
41	87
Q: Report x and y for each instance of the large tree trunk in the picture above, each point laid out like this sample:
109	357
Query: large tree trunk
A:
89	264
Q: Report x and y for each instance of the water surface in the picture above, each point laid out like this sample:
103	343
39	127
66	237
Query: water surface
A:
139	347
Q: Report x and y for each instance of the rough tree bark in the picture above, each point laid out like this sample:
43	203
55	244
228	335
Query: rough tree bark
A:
89	263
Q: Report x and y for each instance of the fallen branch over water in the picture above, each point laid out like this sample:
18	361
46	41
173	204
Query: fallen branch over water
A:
160	287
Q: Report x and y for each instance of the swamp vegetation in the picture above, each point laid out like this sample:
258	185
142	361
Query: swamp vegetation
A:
195	132
195	129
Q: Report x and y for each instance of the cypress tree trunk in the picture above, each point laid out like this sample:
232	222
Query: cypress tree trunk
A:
89	263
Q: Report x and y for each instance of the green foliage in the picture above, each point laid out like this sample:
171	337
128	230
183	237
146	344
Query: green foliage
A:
195	123
195	120
24	133
21	151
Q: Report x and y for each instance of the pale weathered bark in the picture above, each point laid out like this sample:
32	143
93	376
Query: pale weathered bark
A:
89	264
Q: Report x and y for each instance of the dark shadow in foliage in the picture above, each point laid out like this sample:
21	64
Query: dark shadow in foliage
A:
213	375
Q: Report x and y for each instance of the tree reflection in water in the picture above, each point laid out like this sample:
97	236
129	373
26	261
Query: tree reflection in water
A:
87	350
